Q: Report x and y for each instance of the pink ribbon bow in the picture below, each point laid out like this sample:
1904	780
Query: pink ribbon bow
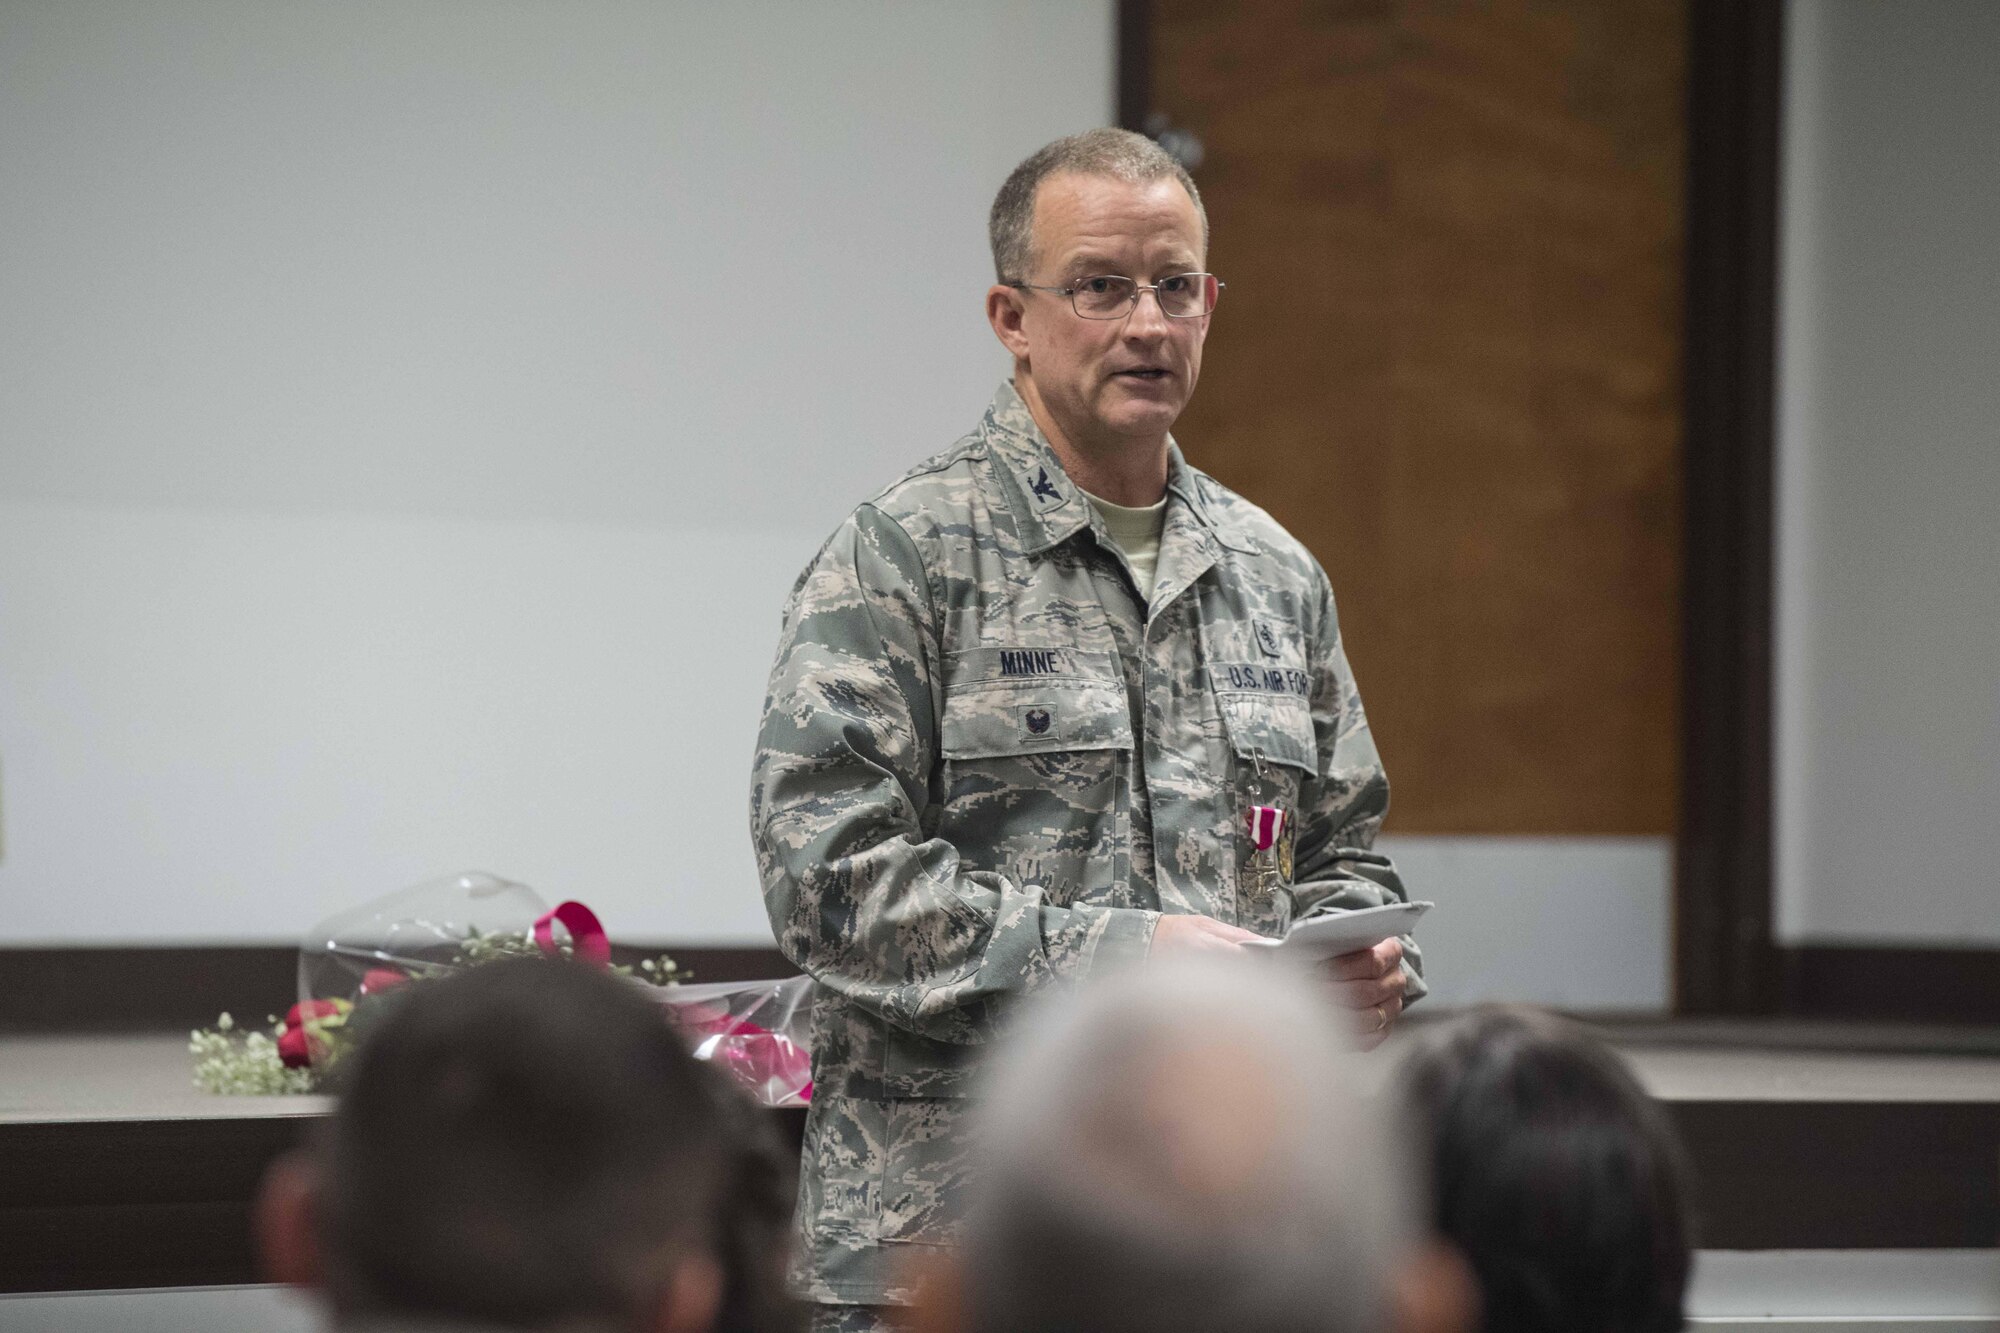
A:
586	933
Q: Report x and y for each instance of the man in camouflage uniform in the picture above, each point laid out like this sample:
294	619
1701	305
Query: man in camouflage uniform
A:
1005	749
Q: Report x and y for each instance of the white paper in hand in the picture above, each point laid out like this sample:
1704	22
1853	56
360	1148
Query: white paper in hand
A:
1336	933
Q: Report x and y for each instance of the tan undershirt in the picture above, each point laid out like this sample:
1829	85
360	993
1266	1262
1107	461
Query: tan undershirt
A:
1137	532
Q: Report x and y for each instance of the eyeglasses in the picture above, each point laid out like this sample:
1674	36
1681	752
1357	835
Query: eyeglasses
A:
1108	296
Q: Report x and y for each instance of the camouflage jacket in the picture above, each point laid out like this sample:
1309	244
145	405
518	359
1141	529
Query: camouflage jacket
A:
985	766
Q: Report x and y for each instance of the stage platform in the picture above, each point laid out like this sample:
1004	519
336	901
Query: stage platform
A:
115	1173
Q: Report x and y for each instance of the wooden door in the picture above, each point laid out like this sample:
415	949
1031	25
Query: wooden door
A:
1448	359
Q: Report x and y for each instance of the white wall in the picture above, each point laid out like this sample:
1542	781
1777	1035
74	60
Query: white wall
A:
1889	476
412	418
1581	923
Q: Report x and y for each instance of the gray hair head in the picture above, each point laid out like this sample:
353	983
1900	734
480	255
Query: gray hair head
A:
1119	154
1185	1148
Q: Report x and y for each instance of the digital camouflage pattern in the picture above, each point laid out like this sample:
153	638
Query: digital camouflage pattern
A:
985	767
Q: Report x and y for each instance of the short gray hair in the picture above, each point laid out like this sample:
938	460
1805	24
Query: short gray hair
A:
1184	1148
1119	154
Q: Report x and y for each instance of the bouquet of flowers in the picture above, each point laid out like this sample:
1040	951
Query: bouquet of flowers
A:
350	962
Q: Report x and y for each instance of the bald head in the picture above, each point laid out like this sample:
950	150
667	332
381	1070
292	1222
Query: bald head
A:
1185	1148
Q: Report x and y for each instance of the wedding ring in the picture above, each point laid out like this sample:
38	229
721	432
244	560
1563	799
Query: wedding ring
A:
1381	1019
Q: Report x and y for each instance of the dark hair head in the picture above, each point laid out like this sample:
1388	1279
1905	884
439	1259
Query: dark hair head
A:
754	1224
522	1143
1554	1173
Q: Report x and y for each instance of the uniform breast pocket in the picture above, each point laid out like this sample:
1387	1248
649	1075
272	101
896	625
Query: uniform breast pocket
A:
1275	748
1037	765
1273	752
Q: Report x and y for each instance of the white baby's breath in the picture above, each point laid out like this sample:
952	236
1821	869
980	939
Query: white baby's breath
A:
242	1066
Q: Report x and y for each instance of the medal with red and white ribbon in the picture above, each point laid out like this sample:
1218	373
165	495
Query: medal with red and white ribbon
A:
1267	834
1267	825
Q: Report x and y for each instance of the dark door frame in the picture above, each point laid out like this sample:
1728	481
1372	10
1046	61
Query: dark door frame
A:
1727	959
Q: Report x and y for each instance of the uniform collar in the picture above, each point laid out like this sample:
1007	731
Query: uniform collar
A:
1048	507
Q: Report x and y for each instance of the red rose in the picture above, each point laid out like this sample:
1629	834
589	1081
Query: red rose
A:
303	1039
306	1010
379	979
294	1048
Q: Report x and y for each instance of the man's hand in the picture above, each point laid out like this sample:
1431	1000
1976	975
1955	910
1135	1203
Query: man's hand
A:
1370	982
1181	934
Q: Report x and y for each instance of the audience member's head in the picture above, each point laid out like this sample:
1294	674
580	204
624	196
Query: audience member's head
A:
1553	1173
527	1144
1184	1147
753	1232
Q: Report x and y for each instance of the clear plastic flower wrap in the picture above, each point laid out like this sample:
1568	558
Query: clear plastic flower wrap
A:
355	956
428	930
756	1030
437	926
